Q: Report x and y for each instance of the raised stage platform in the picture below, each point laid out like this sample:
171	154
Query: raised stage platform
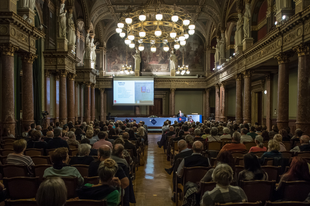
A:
152	122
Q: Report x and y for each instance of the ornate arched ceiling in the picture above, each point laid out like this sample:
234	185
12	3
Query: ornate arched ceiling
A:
208	14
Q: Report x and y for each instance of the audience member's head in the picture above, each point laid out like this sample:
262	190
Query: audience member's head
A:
182	145
197	132
19	146
36	135
50	134
223	175
298	170
275	128
226	130
71	135
252	164
57	124
197	147
118	150
107	170
265	135
189	140
273	145
298	133
214	131
278	137
38	127
304	139
89	134
60	156
102	135
259	141
27	128
236	137
84	150
52	192
57	132
244	131
225	157
104	152
171	128
125	135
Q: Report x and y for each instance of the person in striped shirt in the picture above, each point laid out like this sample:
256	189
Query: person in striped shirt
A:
18	157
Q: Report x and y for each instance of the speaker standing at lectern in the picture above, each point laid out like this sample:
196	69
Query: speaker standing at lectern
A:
180	114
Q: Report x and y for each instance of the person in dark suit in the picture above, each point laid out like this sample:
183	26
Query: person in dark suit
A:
196	159
184	152
180	114
57	142
129	145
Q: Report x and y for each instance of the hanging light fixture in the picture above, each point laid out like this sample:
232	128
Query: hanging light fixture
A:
173	34
183	43
120	25
131	36
186	22
159	17
175	18
158	31
166	48
128	21
141	47
127	41
191	32
186	35
122	34
192	27
153	48
118	30
182	38
177	46
142	17
132	45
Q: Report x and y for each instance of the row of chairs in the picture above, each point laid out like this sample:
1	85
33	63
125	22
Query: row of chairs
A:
31	202
34	152
268	203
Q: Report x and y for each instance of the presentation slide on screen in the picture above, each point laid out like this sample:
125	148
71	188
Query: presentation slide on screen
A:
133	91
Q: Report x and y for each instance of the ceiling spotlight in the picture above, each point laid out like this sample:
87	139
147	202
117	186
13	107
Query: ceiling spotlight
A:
177	46
141	47
118	30
120	25
186	22
192	26
159	17
122	34
191	32
128	20
142	17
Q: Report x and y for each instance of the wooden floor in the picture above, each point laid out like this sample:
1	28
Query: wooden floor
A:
153	186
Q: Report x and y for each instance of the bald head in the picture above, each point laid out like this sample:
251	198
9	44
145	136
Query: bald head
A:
182	145
118	150
104	152
171	128
304	139
197	147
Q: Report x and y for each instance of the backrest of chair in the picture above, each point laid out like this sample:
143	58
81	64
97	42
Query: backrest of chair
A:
29	202
175	146
295	190
286	154
7	146
130	151
239	161
73	152
83	169
214	145
265	189
21	187
34	152
3	159
91	180
268	161
288	145
258	203
304	154
39	170
6	152
86	203
8	140
71	184
258	154
287	203
206	186
248	145
14	170
72	147
41	160
238	169
194	174
50	152
237	154
272	171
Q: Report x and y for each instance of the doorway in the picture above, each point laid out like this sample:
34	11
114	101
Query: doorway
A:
157	109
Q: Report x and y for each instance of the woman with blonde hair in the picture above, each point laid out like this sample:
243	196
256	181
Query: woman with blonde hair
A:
108	187
278	138
273	152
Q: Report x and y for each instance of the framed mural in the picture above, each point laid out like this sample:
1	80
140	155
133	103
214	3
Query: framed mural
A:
194	56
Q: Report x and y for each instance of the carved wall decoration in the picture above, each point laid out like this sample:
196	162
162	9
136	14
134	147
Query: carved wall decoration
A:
3	30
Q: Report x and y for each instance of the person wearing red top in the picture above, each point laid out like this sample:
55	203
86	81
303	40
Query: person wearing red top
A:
259	141
235	145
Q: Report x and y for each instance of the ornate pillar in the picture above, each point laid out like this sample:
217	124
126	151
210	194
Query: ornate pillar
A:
268	102
303	99
102	105
82	102
93	102
76	103
172	104
71	98
269	15
217	102
208	61
239	98
222	103
88	102
283	90
63	111
57	77
47	95
103	52
8	114
300	5
27	89
207	105
247	97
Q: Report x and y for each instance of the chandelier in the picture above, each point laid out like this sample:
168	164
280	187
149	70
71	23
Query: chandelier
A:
126	69
155	23
182	69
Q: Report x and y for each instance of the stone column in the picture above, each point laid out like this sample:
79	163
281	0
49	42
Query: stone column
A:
82	102
47	95
102	105
269	15
239	98
137	110
63	111
57	77
103	52
207	105
247	97
93	102
88	103
8	113
76	103
268	102
27	89
172	104
208	60
71	98
303	99
217	102
283	90
222	103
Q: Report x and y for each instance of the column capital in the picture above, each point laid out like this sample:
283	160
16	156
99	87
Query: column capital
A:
102	89
71	76
207	90
88	84
301	50
238	77
63	73
223	84
247	74
28	57
283	57
47	73
172	89
93	86
268	76
57	75
8	49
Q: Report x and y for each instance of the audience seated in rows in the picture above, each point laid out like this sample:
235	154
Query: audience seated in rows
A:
129	145
235	145
214	135
57	142
273	152
108	187
60	168
35	141
245	137
72	139
304	147
223	192
18	157
83	156
259	141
